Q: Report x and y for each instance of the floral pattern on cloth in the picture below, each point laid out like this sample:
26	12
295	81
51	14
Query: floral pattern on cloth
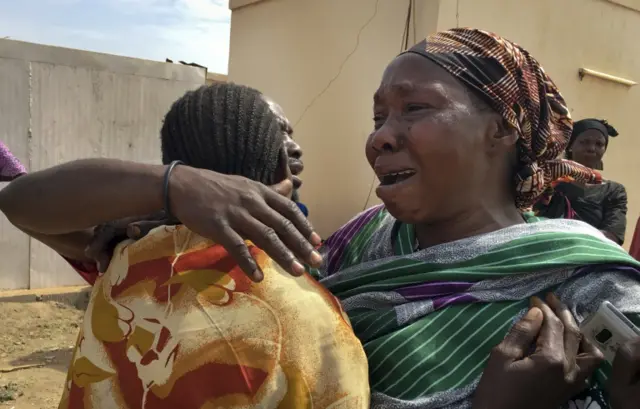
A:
175	323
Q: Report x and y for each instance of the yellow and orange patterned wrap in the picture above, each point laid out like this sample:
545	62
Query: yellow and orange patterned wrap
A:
174	323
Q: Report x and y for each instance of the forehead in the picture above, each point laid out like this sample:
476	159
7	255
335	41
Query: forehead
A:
591	135
410	72
276	109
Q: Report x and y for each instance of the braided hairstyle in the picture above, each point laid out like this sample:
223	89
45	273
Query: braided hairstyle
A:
226	128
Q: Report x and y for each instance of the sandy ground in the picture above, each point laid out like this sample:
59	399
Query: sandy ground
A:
42	334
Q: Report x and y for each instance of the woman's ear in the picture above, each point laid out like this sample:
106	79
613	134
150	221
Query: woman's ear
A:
501	136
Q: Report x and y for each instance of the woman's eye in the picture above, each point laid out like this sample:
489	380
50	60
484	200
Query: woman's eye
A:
415	107
378	121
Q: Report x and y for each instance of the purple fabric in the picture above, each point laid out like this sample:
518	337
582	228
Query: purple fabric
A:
10	166
433	290
605	268
338	241
442	302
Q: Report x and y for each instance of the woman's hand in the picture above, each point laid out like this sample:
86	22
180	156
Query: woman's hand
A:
624	386
106	236
230	209
557	370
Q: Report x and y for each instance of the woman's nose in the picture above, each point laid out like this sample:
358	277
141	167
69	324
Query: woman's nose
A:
293	149
385	139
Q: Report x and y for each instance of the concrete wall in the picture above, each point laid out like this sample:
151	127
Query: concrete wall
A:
312	60
58	105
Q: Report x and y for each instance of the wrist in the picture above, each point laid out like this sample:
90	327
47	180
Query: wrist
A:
177	180
166	185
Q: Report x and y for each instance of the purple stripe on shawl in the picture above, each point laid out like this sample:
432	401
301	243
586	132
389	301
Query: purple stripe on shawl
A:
442	302
609	268
10	166
337	243
433	289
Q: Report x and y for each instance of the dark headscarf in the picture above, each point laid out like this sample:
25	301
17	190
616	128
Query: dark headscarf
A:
514	84
599	125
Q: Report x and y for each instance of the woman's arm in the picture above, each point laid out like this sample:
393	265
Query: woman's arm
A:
614	221
59	206
64	201
81	194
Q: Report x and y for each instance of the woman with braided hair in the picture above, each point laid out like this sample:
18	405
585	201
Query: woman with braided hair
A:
603	205
436	281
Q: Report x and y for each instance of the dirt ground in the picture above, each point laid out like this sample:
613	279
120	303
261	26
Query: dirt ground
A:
39	336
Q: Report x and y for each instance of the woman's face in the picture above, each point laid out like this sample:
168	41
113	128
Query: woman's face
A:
429	147
294	151
588	148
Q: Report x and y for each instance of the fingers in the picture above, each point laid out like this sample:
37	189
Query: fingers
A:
138	230
267	239
572	334
550	342
287	233
284	188
101	246
626	364
588	360
520	338
300	225
237	248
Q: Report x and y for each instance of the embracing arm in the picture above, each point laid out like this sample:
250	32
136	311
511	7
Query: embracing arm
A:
60	205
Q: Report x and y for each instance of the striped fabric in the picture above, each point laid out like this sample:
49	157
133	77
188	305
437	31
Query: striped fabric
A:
429	318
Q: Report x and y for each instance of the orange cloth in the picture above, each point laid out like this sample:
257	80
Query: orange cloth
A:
174	323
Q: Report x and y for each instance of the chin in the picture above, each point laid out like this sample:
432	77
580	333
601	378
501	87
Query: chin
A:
408	214
410	211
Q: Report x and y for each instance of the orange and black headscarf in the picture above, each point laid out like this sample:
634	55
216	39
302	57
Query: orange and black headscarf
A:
514	84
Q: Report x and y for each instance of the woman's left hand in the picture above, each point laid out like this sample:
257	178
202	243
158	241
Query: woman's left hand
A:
624	386
555	372
106	236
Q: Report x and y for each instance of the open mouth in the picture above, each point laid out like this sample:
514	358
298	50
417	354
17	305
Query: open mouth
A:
396	177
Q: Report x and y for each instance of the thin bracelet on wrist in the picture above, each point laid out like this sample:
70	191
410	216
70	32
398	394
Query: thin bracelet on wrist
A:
165	189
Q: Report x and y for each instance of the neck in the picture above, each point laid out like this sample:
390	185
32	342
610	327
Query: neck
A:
467	224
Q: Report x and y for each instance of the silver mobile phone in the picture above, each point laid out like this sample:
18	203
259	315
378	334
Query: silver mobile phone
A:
608	329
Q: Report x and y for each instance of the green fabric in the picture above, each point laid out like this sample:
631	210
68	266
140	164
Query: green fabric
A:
447	348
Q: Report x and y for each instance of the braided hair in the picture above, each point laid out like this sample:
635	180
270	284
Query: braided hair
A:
226	128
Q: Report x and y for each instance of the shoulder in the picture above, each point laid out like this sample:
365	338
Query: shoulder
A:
352	234
615	186
356	223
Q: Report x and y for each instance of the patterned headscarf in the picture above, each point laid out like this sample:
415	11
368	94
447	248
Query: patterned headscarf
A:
10	166
514	84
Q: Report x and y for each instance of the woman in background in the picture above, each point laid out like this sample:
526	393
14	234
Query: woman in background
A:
604	206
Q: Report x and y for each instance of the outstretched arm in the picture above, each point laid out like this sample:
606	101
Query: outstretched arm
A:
64	201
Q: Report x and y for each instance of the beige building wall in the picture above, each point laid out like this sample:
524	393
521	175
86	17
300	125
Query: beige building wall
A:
568	35
322	60
57	105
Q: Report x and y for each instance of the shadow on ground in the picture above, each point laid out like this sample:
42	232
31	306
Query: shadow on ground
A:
57	359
